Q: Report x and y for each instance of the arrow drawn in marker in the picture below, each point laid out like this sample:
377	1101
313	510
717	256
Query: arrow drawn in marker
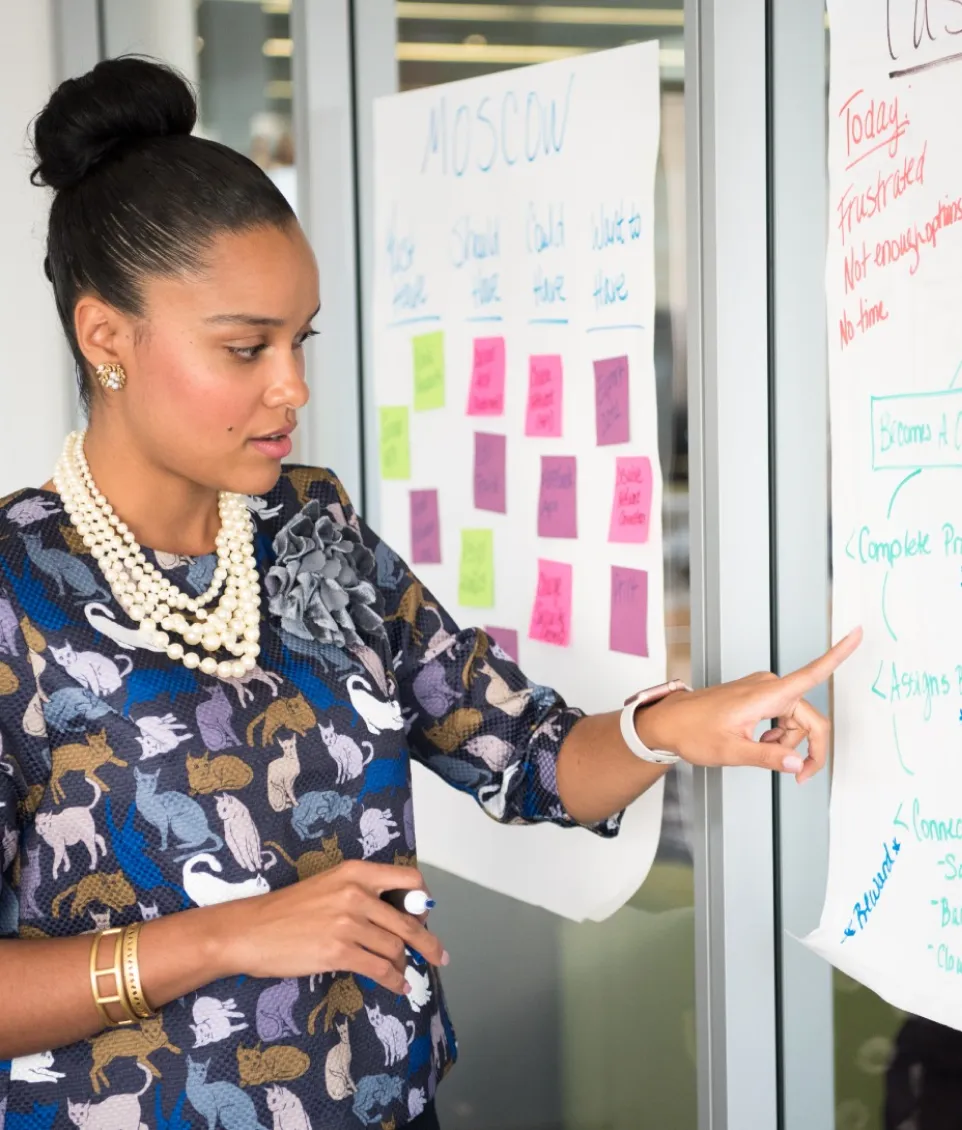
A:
884	615
848	545
849	932
895	734
875	689
900	823
911	475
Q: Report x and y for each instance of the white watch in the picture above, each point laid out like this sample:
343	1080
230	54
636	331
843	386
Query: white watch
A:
630	734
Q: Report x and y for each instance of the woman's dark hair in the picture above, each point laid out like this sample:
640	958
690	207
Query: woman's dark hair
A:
136	194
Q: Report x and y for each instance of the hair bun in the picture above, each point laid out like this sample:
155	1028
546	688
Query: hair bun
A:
120	102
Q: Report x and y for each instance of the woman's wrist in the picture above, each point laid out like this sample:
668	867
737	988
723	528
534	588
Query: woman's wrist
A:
653	725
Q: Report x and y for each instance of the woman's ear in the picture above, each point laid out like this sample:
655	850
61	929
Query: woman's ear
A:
103	333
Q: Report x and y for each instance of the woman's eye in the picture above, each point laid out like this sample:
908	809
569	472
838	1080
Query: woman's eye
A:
304	337
246	352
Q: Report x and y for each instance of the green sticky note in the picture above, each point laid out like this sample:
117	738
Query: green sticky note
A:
476	581
395	444
428	371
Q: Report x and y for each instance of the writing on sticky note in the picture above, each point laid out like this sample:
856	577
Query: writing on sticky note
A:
476	577
489	472
428	371
506	639
395	444
425	528
557	502
486	395
629	611
551	616
611	401
543	416
631	507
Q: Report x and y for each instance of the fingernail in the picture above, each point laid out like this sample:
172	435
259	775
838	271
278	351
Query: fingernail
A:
792	764
407	989
445	958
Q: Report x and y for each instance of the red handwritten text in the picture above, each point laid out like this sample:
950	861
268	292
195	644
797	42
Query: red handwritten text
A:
857	207
871	124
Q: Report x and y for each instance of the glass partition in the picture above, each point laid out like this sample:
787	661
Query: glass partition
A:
580	1049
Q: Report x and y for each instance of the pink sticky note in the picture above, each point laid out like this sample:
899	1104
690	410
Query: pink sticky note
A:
631	507
506	639
551	617
486	396
543	417
611	400
489	472
425	528
629	611
557	504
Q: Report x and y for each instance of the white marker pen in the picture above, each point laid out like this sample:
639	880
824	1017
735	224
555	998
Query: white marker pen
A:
411	902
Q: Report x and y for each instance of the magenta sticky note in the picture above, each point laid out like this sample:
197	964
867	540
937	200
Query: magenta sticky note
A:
425	528
629	611
611	401
543	416
631	506
506	639
557	502
486	394
551	616
489	472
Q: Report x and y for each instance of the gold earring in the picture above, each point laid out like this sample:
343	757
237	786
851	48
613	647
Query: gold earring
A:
111	376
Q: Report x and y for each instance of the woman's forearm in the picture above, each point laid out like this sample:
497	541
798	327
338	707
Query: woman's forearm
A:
45	983
598	775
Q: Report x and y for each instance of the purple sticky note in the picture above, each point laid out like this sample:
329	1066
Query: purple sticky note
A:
629	611
611	401
425	528
543	416
557	503
486	396
631	507
489	472
506	639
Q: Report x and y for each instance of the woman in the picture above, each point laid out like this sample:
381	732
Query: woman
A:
230	712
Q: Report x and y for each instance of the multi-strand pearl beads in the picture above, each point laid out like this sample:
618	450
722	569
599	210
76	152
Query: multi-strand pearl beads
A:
148	596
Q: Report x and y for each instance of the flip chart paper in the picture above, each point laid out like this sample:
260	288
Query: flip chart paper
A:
489	472
429	371
506	639
545	397
395	444
554	258
558	504
892	903
425	528
476	589
611	401
629	611
551	616
631	507
486	397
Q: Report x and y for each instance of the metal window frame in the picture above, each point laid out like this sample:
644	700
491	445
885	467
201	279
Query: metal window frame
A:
735	947
800	537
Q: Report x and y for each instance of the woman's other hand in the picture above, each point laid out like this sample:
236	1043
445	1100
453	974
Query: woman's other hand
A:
332	922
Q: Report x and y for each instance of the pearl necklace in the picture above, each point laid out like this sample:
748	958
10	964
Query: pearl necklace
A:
148	597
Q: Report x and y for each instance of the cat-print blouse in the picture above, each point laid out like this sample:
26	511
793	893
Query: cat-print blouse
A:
131	787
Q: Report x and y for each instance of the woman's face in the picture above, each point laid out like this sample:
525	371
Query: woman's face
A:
215	369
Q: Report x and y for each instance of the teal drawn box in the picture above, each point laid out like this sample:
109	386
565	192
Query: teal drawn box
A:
917	429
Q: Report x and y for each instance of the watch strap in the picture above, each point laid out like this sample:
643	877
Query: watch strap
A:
630	734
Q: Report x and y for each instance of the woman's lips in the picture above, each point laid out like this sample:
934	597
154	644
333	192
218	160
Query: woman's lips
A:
274	447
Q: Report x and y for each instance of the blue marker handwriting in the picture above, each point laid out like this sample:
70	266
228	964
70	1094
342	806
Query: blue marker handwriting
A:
863	907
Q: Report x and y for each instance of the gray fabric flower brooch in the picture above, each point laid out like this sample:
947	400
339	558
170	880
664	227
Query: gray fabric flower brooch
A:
318	585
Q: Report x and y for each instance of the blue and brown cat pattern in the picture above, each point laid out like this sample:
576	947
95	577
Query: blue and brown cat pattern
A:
131	788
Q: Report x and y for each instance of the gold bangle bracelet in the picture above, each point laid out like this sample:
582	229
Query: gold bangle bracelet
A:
116	971
135	990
